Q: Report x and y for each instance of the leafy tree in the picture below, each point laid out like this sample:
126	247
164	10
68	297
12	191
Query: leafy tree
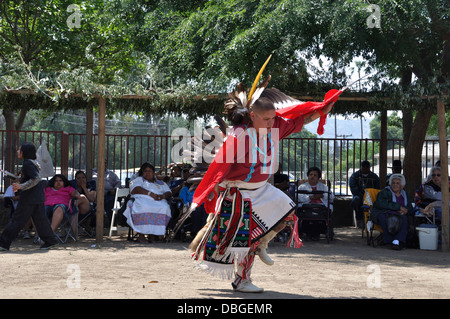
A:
208	46
412	39
225	41
60	47
394	128
433	128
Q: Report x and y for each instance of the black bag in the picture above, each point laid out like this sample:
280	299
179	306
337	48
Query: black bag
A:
121	219
412	239
393	223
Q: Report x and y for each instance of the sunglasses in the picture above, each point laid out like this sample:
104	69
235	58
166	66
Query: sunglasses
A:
434	175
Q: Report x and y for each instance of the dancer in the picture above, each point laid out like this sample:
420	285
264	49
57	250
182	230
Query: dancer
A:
246	212
31	202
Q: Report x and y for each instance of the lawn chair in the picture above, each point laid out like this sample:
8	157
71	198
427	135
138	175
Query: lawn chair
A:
419	206
85	222
370	195
121	193
69	224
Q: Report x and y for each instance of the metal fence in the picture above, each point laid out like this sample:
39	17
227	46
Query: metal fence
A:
124	154
56	141
337	158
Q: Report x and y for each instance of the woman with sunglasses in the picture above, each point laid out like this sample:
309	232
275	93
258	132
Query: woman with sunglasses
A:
432	191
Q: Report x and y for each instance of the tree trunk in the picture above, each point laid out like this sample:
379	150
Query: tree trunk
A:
413	155
9	158
407	119
20	119
9	152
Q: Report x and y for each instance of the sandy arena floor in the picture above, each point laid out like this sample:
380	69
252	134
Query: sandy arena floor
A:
117	268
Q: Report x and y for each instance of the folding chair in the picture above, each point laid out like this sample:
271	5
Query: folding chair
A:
120	194
68	225
84	229
370	195
419	206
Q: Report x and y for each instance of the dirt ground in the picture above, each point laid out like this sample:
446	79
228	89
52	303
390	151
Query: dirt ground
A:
119	269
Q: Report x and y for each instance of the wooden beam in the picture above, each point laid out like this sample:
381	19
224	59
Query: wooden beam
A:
220	96
100	169
444	175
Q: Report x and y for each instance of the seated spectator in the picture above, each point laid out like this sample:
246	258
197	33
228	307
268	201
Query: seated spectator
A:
281	181
111	183
311	227
313	184
149	213
396	169
58	195
359	181
393	200
176	180
12	200
199	215
437	164
87	192
432	194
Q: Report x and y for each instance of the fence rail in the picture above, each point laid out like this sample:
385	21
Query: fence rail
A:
337	158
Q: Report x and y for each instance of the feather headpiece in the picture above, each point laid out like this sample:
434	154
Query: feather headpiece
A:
238	106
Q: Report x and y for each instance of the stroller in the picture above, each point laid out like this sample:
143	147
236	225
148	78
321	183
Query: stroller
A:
316	214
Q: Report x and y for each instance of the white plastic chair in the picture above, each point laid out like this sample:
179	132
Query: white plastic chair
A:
120	193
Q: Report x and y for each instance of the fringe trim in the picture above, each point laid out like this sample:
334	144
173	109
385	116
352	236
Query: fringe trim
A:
224	270
294	240
201	246
235	254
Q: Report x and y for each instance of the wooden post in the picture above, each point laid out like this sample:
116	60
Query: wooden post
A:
444	174
100	169
65	154
383	149
89	142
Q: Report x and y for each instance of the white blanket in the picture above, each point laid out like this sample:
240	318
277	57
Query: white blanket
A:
146	215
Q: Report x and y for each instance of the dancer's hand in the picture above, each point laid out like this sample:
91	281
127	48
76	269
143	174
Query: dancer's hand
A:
15	187
328	108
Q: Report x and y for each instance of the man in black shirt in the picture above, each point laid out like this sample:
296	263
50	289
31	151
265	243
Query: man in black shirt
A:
359	181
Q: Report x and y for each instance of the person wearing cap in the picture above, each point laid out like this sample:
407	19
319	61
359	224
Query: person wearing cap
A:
359	181
396	169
